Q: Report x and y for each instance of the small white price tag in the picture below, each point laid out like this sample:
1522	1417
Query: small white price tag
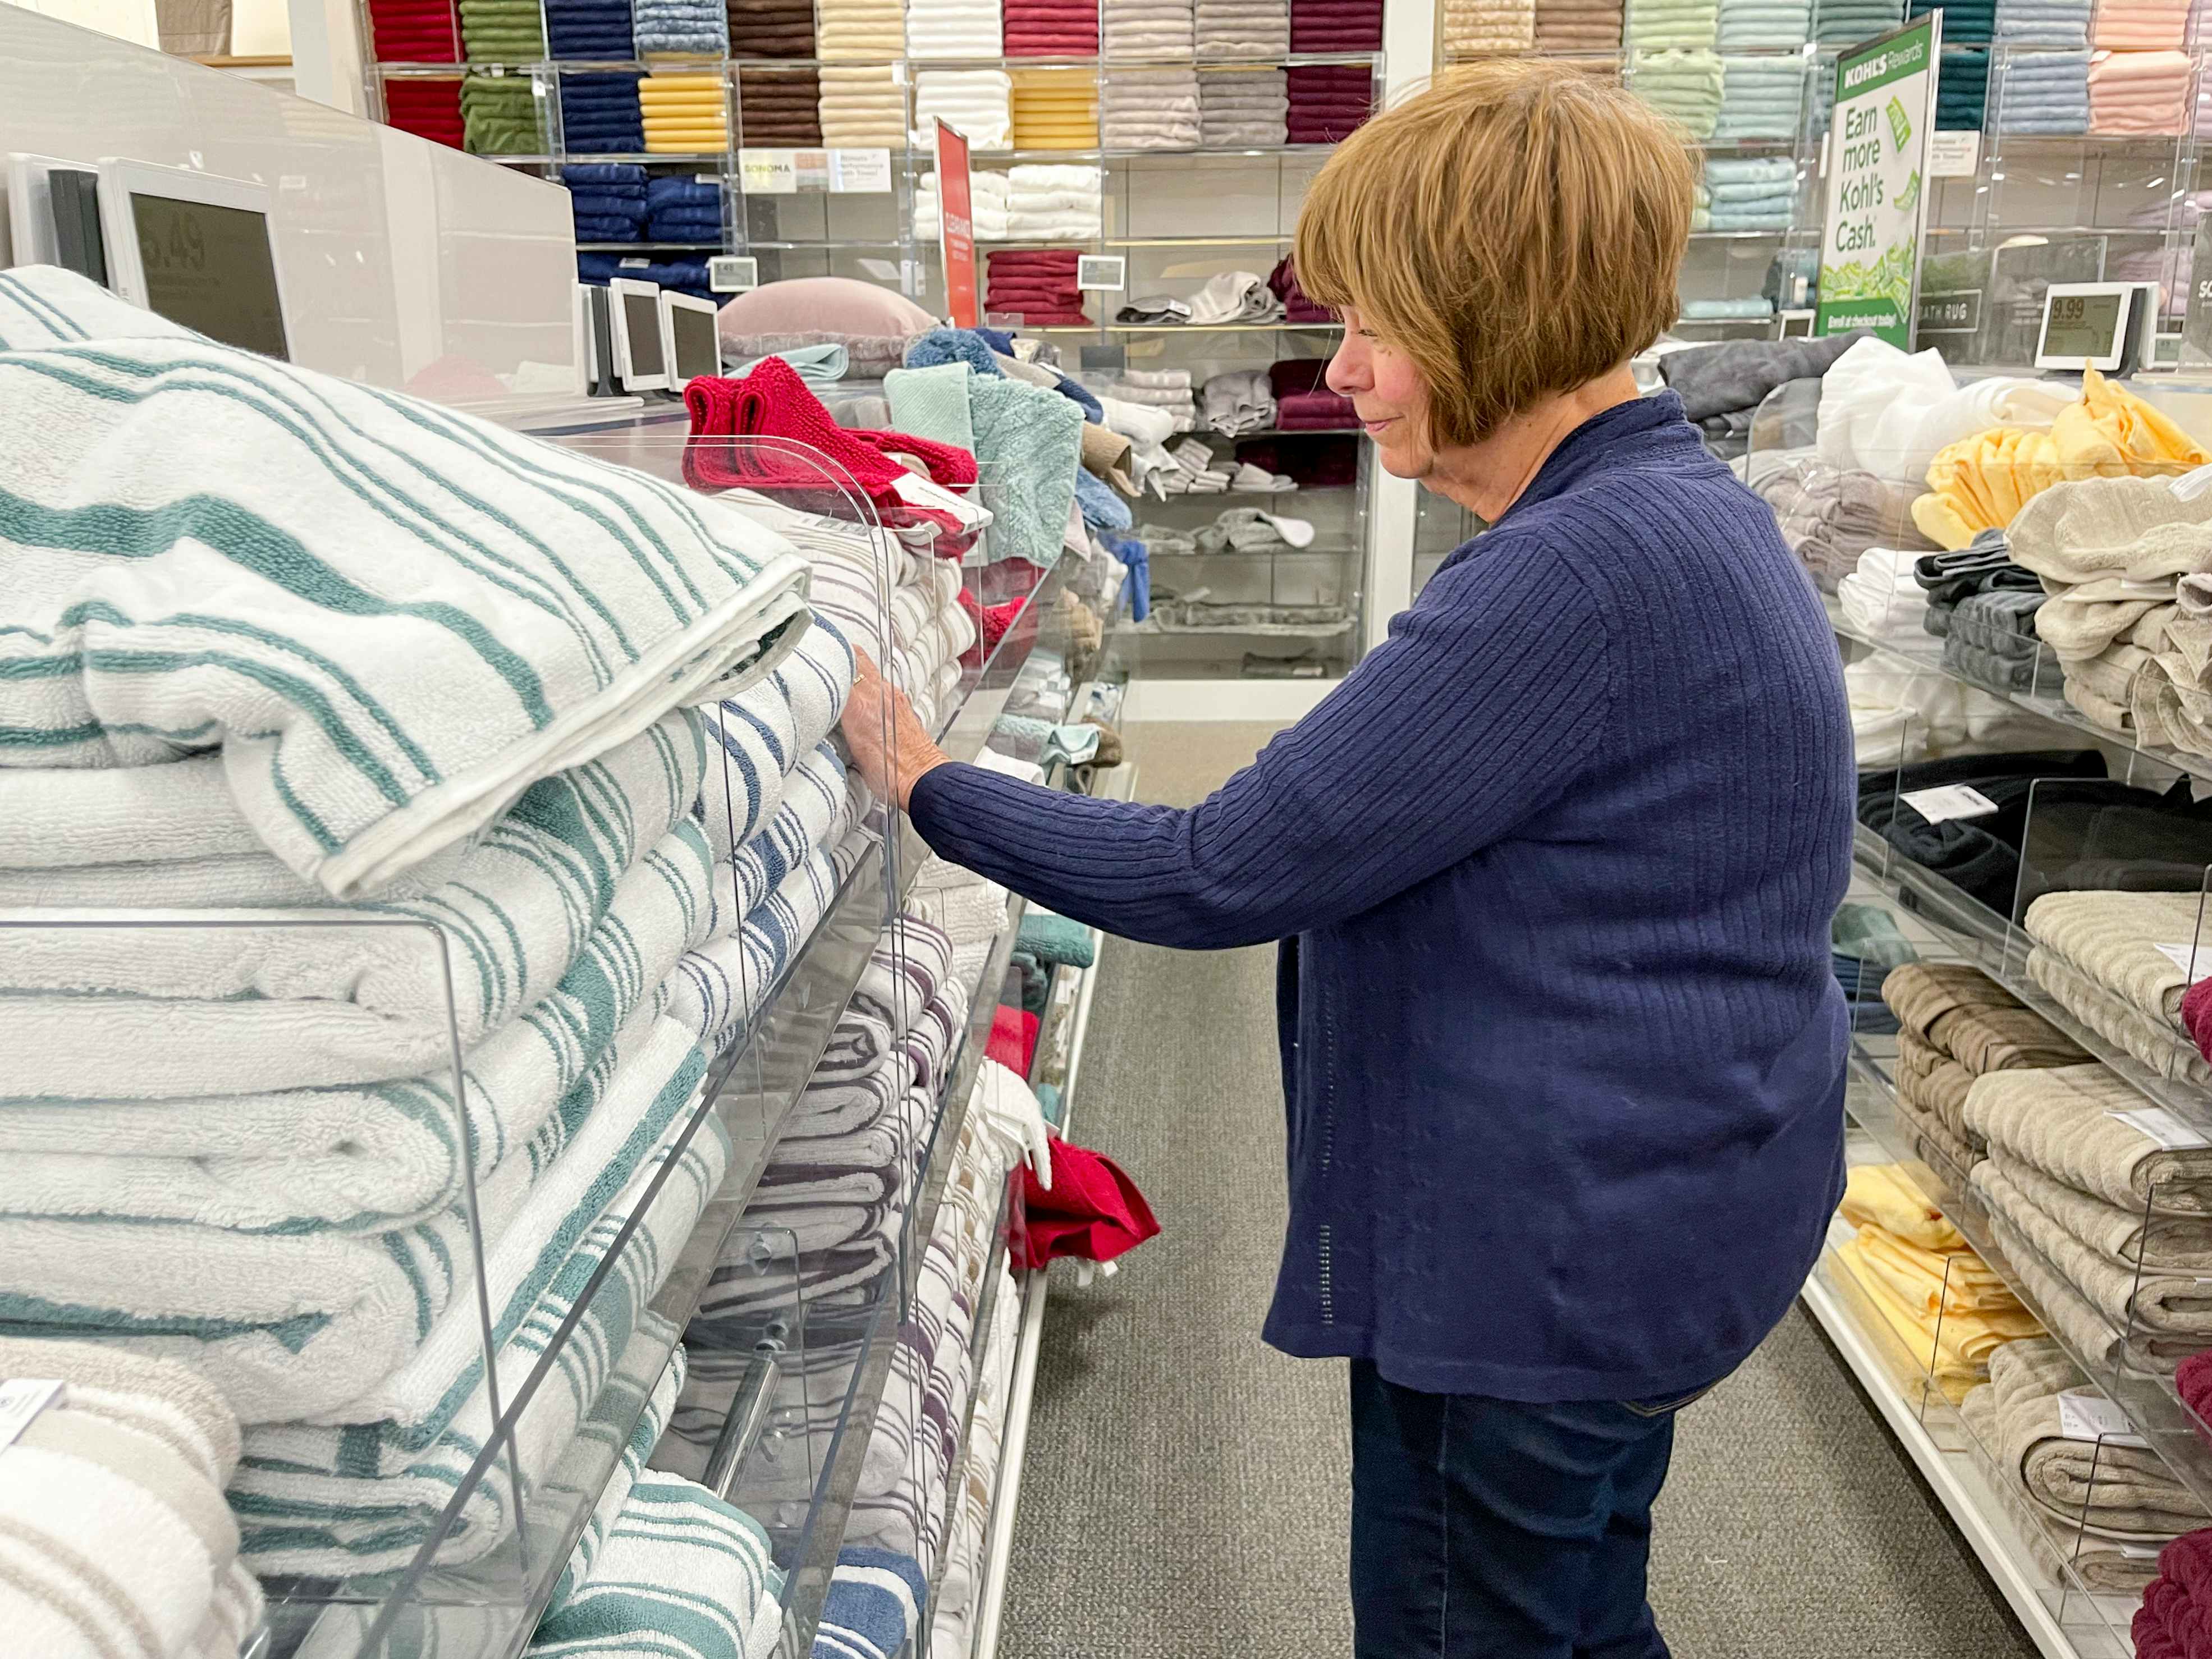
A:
713	181
22	1399
1950	800
1103	271
732	273
634	264
2194	960
2085	1415
861	172
1953	155
2158	1124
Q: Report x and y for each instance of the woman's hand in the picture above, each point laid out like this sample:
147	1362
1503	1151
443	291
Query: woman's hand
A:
884	739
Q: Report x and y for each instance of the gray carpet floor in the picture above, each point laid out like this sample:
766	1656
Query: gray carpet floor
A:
1185	1491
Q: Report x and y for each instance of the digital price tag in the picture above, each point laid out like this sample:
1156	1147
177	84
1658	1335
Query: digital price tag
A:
732	273
1105	272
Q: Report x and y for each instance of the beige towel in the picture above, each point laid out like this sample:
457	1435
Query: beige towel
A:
2061	1122
2150	1039
1935	1083
2125	1237
2146	1306
1968	1016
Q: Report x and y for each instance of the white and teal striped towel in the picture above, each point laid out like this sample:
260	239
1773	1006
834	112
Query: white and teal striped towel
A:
718	989
352	1327
368	1158
389	619
683	1575
234	1001
331	1503
607	1507
763	735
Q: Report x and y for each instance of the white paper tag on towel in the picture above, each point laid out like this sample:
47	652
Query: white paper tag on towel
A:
1950	800
22	1399
2085	1415
2157	1123
2194	960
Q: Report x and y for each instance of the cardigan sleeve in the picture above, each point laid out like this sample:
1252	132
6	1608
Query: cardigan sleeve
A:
1490	693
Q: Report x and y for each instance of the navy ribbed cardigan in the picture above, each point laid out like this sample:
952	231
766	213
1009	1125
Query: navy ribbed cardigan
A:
1552	871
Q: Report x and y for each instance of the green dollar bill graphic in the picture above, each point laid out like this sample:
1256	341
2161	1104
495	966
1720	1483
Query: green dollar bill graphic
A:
1900	125
1889	277
1908	198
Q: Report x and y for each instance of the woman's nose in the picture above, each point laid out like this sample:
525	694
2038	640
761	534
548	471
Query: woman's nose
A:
1348	370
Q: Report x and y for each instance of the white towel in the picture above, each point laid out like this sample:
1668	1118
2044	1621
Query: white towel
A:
323	1501
754	741
397	618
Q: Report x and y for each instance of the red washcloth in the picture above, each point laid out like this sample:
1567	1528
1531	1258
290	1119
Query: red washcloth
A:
2196	1014
2165	1609
1014	1040
1092	1210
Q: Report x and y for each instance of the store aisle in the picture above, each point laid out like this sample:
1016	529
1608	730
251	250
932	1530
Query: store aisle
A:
1185	1491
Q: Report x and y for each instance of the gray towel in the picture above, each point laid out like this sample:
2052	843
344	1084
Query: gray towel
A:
2061	1122
1737	373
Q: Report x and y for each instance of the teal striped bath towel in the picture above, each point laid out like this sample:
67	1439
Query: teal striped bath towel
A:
233	1001
389	618
333	1502
607	1505
755	741
367	1327
683	1575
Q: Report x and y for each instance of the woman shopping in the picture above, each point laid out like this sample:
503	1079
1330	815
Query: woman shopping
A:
1552	871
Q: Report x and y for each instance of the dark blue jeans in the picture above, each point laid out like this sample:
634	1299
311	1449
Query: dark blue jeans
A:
1485	1529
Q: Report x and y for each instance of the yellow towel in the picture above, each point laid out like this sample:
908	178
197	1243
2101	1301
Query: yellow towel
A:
1882	1195
1935	1281
1980	483
1957	1353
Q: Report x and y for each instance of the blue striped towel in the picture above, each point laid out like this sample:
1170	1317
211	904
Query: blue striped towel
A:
264	1000
876	1599
334	1502
682	1575
763	735
293	1324
399	617
819	807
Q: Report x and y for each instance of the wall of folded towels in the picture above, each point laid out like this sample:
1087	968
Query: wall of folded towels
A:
2015	1274
522	1154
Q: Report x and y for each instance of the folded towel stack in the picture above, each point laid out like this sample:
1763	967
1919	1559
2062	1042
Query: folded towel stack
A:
1049	201
1746	192
2141	25
2109	959
1962	85
1972	22
413	32
600	115
683	208
1051	29
859	28
1309	463
1167	389
1472	27
1325	26
295	1161
990	201
608	201
1672	25
1055	109
589	28
2044	23
1239	107
1304	402
1296	307
1579	25
1192	471
1329	101
429	109
779	106
2133	93
499	115
953	29
1956	1023
1147	29
682	28
952	1621
502	30
2112	1504
874	1603
862	105
1684	86
1244	28
1764	25
2045	92
1762	98
1846	23
974	103
2177	1609
770	28
1037	285
126	1465
684	114
2108	1229
1945	1305
1149	109
1236	403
